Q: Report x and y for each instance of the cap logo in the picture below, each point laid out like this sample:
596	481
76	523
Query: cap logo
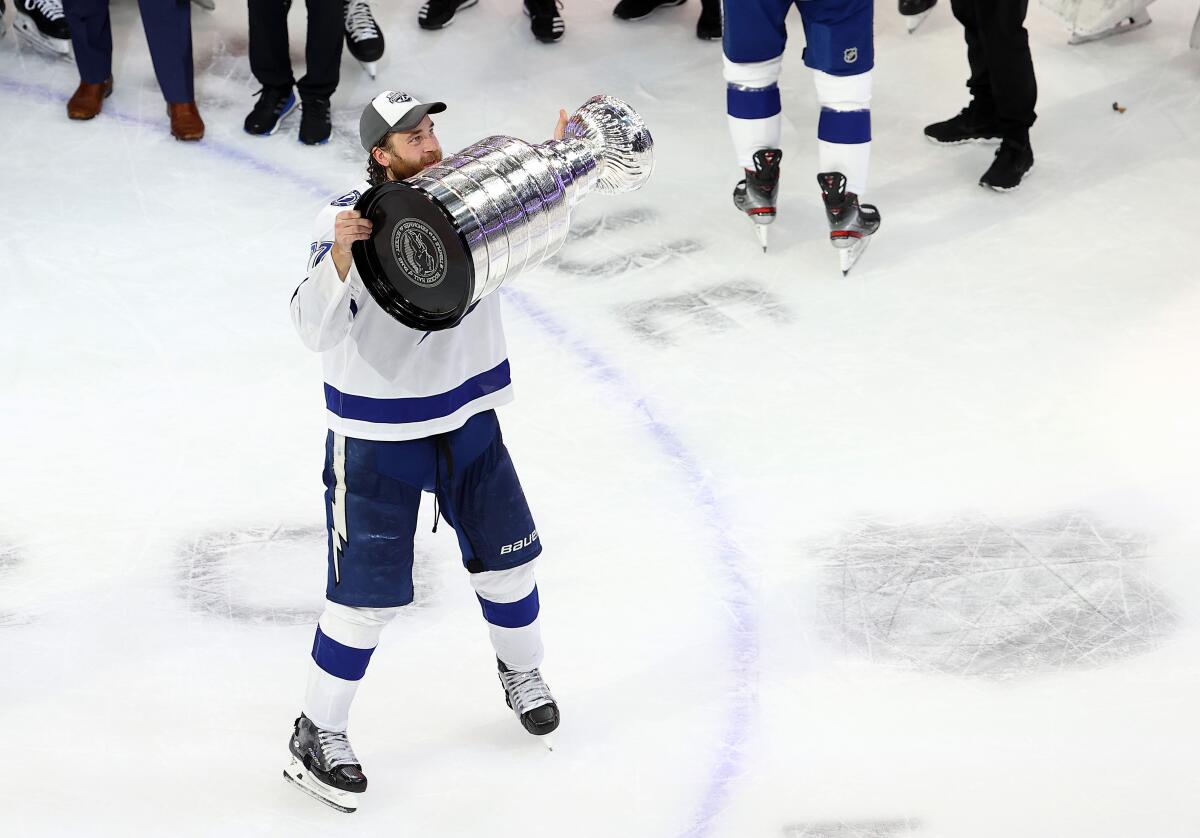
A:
419	252
397	98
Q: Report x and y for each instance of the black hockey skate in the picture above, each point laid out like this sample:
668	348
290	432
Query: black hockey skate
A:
324	766
851	225
364	38
43	25
915	12
438	14
755	194
1126	24
528	696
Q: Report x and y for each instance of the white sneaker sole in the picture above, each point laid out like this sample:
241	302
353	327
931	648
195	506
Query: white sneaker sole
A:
1024	178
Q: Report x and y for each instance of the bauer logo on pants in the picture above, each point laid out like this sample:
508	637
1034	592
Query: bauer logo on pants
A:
519	545
419	252
850	55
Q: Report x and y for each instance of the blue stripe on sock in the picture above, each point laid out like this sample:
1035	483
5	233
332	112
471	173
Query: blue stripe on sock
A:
847	127
753	102
340	661
511	614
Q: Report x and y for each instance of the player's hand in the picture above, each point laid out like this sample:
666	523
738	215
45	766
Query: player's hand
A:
349	227
561	127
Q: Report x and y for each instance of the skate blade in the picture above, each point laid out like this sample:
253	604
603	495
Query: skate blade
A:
849	256
760	230
370	67
53	47
1128	24
913	22
302	778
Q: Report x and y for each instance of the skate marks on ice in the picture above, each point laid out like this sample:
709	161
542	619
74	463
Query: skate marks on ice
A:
265	576
719	308
606	261
976	597
10	558
852	829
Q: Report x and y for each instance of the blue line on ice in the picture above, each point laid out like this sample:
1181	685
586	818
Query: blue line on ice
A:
738	598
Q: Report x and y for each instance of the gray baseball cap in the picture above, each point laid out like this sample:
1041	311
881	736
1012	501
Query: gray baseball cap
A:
392	111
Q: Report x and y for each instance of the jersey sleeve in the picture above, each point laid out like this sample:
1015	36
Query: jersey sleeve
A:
323	306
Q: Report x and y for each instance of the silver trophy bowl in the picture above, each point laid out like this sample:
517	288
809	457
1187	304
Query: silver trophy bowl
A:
447	237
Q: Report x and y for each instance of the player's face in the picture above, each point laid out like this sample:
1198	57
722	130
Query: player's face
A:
412	151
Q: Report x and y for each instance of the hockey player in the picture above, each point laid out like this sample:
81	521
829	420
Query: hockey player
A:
42	24
1091	20
408	411
840	52
364	38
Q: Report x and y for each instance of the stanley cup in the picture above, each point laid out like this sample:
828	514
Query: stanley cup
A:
454	233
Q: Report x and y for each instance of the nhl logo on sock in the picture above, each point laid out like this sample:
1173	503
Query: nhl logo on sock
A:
419	252
850	55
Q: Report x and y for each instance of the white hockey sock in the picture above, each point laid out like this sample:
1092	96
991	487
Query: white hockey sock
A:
345	639
753	105
844	129
509	599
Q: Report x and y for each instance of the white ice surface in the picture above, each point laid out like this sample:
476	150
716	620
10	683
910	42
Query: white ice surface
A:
992	424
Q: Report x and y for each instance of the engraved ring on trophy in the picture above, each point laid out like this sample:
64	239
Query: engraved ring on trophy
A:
450	235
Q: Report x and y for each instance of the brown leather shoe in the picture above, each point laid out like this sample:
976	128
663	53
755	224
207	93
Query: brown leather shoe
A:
186	123
87	99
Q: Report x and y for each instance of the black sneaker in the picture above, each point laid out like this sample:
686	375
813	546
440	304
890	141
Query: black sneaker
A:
968	127
1014	160
708	27
638	9
438	14
273	106
544	19
315	123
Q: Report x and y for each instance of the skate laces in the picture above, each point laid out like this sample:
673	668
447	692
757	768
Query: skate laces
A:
50	8
359	22
335	748
526	690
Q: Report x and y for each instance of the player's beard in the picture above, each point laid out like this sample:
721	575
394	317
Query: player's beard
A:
401	169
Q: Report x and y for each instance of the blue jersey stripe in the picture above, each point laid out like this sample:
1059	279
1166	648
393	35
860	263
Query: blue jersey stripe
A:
345	662
419	408
753	103
846	127
511	614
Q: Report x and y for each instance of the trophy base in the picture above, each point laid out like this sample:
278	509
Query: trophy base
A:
416	265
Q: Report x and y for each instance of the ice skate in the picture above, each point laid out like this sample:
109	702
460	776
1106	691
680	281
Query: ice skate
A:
851	225
915	12
1125	24
528	696
324	766
755	194
44	26
364	38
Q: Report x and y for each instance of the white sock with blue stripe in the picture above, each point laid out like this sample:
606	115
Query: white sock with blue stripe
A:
509	599
844	129
345	639
754	107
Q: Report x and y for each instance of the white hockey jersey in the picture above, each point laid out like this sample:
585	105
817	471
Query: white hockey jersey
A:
383	380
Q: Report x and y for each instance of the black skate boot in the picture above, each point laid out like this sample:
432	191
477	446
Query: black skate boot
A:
638	9
324	766
755	194
438	14
364	39
274	105
709	27
529	697
1014	160
915	12
851	225
969	126
545	22
43	24
315	122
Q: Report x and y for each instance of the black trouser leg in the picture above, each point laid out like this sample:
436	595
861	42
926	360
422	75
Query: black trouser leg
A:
979	82
269	60
1002	75
323	51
